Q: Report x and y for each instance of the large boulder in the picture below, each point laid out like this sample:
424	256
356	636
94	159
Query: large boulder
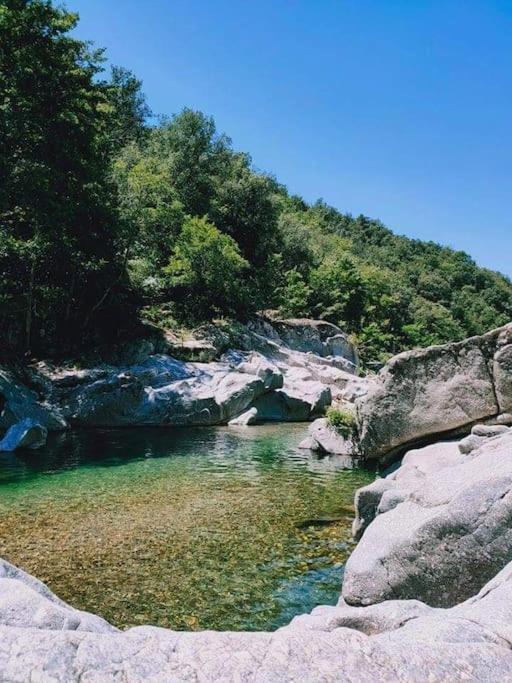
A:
425	393
25	434
18	402
442	525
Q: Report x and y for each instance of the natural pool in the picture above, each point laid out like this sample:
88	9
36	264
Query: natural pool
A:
185	528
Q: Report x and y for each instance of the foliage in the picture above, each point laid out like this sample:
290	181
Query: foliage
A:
60	276
102	210
205	272
342	421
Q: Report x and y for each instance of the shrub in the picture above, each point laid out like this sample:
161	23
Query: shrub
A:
342	421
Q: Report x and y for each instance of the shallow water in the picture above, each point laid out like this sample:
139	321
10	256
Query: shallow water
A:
187	529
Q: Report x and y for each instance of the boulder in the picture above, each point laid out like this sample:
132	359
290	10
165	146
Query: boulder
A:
250	417
24	434
298	402
325	439
18	402
442	526
422	394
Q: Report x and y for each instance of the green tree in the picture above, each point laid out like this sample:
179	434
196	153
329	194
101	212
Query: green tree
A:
128	110
57	216
294	296
206	272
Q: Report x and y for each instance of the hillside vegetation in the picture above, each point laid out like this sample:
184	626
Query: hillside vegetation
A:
107	218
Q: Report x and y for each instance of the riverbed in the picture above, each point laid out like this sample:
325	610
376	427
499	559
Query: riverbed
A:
207	528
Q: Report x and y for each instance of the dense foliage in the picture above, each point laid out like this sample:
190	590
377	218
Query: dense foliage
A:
104	213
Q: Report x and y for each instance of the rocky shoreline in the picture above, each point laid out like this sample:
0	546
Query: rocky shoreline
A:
457	627
427	592
425	395
281	371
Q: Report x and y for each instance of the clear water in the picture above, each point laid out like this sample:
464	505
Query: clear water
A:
186	529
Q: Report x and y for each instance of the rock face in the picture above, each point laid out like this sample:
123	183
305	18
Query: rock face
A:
268	381
439	527
441	389
44	639
18	403
24	434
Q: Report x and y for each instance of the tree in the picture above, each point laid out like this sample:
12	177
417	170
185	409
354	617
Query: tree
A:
57	220
128	109
294	296
206	272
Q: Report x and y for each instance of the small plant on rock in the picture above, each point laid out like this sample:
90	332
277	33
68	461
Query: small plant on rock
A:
341	421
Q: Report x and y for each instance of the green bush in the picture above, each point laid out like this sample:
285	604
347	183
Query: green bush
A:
342	421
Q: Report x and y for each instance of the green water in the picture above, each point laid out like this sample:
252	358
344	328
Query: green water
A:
187	529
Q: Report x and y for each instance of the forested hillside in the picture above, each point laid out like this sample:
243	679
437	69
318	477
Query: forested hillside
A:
108	218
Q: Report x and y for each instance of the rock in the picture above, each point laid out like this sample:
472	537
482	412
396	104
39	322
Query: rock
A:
24	434
325	439
25	602
502	370
18	403
296	403
442	526
425	393
278	381
250	417
489	431
255	363
400	640
479	435
314	336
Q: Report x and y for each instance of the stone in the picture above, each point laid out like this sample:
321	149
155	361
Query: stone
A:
279	382
18	402
323	438
299	402
25	434
442	526
423	394
250	417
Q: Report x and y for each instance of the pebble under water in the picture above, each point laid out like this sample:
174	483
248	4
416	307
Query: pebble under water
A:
204	528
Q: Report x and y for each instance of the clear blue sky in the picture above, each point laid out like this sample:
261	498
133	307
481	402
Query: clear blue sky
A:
398	109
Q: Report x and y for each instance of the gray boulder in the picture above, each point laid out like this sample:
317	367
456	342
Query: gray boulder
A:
18	402
425	393
442	526
324	439
24	434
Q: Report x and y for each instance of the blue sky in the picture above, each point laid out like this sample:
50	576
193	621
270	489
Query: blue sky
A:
398	109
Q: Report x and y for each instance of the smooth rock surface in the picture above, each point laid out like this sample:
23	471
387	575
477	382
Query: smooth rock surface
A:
18	402
423	393
282	383
25	434
42	639
442	525
324	439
